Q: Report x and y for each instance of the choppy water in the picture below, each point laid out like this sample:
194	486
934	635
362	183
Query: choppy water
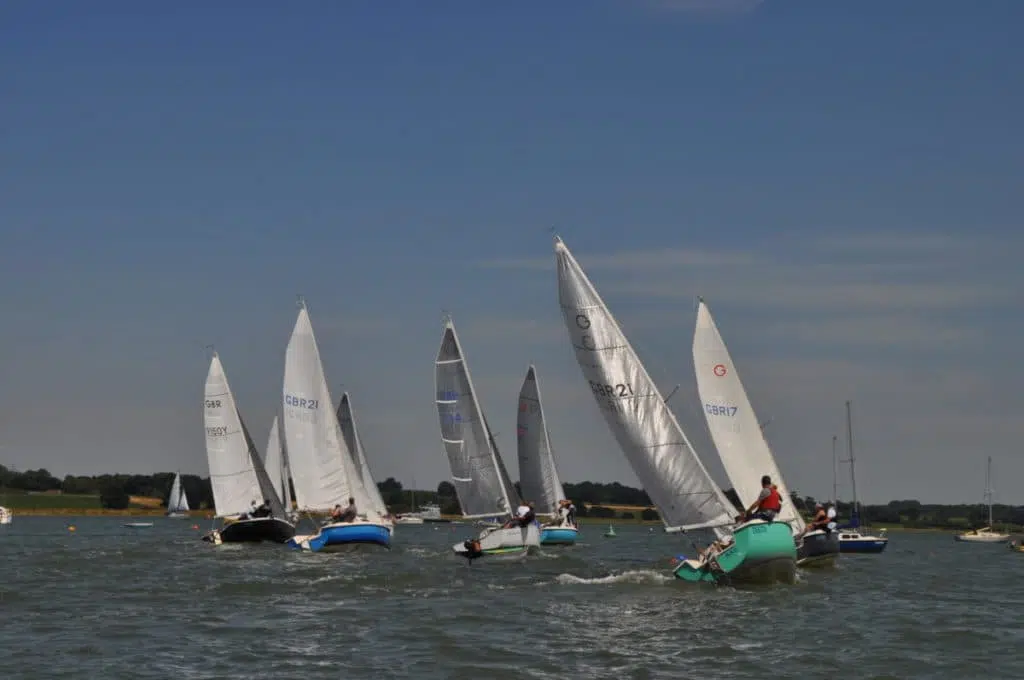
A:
112	602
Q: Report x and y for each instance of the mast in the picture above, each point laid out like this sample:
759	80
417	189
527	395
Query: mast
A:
853	473
988	490
835	473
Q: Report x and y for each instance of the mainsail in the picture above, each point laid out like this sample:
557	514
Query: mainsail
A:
538	477
347	422
232	477
177	501
480	482
643	425
731	419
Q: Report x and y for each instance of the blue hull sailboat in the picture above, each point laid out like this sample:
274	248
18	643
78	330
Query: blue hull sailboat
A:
324	470
850	539
538	476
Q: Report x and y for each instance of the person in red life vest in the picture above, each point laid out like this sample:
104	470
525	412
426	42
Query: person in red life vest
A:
768	502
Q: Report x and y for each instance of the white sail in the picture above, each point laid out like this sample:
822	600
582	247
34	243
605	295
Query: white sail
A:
347	421
273	460
731	420
643	425
177	501
538	477
232	477
482	486
286	475
316	451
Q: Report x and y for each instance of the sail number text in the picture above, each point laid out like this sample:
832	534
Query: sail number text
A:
301	402
218	431
619	390
717	410
213	403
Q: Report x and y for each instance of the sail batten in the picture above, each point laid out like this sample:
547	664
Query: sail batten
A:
734	427
480	481
538	476
643	425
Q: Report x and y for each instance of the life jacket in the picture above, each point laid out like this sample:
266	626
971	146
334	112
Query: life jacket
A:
773	501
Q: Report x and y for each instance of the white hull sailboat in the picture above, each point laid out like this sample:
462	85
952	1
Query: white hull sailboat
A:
985	534
538	476
323	470
177	501
6	516
658	450
850	539
739	439
237	475
478	473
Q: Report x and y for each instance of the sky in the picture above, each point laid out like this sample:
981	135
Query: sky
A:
840	181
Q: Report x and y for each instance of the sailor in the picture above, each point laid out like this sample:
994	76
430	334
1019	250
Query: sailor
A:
768	502
820	520
831	515
263	510
336	513
350	513
571	514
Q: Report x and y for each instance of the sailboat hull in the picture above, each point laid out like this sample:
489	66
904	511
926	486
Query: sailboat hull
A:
982	538
852	542
256	530
177	515
511	543
558	535
818	549
343	536
761	553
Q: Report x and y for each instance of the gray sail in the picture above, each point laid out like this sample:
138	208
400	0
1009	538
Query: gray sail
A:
476	473
643	425
538	477
266	486
347	421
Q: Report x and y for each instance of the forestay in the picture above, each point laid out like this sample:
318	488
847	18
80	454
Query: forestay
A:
232	476
538	477
731	420
645	428
347	422
476	472
311	434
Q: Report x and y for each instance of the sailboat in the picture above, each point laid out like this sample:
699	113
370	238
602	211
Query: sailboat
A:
347	422
322	468
481	482
851	540
538	477
6	516
177	501
237	475
658	450
740	441
985	534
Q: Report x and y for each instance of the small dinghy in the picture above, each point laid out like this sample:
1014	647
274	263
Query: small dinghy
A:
138	525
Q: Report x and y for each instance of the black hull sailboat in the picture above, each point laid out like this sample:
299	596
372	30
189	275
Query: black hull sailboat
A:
253	530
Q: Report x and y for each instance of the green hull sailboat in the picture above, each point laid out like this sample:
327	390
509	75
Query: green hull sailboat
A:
658	450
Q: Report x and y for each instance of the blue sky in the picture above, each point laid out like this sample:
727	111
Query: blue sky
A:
841	181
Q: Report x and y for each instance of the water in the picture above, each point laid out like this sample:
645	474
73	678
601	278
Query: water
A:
112	602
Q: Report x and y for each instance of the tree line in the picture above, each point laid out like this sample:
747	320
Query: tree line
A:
592	499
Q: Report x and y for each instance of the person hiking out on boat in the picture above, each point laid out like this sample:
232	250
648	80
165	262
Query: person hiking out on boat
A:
570	515
336	513
263	510
820	520
350	513
768	502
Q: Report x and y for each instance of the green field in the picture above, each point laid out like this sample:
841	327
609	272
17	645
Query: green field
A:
42	501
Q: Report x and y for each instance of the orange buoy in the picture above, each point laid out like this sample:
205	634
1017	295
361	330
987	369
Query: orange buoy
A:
71	527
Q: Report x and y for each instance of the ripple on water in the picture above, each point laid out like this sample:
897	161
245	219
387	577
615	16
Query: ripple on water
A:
159	603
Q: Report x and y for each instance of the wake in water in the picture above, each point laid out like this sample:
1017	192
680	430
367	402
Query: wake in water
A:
638	576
